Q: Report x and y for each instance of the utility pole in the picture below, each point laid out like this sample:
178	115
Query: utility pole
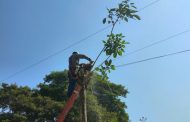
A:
84	108
86	80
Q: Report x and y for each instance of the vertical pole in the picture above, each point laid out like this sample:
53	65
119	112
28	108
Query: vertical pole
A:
81	107
84	111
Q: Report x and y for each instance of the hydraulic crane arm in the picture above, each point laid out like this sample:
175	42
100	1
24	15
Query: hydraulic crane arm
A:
69	103
84	77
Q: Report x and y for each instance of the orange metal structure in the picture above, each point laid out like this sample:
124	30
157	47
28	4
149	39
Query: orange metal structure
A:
84	76
69	104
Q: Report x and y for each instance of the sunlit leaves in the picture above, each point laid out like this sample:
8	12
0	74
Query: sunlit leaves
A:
114	45
137	17
123	11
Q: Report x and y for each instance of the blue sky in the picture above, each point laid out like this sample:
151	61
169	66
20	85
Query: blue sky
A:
159	89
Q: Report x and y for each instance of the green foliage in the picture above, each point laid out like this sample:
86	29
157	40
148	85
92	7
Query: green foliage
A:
55	83
22	104
124	11
107	94
115	44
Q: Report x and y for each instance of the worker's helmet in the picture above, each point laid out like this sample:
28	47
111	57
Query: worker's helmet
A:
74	53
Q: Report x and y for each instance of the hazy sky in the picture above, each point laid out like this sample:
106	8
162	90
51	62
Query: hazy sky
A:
159	89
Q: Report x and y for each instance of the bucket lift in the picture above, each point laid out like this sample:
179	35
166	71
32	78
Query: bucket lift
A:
84	76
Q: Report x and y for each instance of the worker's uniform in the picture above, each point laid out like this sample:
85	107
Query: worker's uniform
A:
72	74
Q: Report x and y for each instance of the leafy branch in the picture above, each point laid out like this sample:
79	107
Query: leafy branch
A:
114	44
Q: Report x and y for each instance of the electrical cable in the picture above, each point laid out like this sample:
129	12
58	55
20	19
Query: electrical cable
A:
146	6
157	42
153	58
54	54
62	50
149	5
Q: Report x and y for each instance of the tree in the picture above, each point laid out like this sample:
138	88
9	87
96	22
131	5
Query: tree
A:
20	104
23	104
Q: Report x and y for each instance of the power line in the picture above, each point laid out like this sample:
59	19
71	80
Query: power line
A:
56	53
150	45
149	5
146	6
62	50
152	58
155	43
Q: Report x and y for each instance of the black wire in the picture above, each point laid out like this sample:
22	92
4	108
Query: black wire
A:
148	5
54	54
110	25
152	58
155	43
150	45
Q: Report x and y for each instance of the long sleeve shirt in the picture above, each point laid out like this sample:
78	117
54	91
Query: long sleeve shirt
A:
74	62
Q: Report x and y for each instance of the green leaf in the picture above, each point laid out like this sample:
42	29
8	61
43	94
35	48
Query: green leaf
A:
134	7
104	20
126	19
120	6
137	17
112	67
106	63
109	70
113	9
110	61
133	11
123	42
120	53
115	55
97	69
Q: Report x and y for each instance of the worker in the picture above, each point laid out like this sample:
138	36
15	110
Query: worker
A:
72	74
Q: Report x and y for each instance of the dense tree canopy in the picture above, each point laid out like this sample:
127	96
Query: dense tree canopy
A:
23	104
